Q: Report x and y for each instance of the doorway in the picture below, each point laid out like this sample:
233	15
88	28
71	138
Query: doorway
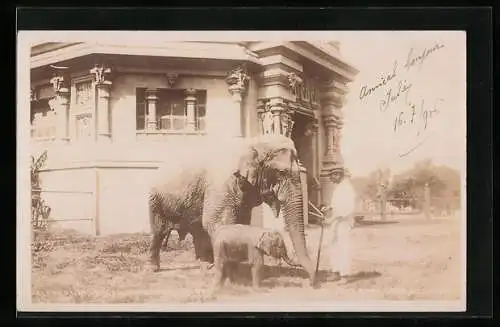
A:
302	137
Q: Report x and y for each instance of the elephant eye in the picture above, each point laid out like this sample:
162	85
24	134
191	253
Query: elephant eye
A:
282	172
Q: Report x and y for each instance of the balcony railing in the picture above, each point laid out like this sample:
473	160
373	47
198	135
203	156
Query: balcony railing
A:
170	124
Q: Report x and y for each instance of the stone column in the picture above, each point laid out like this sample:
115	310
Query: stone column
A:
277	108
237	81
265	124
332	163
332	157
60	104
190	110
103	87
152	103
314	127
103	114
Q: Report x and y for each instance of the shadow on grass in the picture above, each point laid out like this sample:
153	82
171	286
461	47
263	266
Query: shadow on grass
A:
180	268
270	276
362	275
325	276
363	223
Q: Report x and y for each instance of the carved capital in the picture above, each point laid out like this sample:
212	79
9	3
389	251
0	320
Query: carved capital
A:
171	79
333	92
294	80
152	95
190	95
277	105
237	80
57	83
101	74
59	80
54	103
103	90
333	120
332	112
262	106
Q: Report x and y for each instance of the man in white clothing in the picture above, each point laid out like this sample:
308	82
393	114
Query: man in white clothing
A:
339	225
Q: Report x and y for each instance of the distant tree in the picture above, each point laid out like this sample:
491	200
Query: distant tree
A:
407	188
366	187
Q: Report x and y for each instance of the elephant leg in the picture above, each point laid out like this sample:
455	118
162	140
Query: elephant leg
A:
159	233
230	270
202	244
155	249
257	264
219	266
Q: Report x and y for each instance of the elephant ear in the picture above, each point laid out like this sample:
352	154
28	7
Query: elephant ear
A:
248	165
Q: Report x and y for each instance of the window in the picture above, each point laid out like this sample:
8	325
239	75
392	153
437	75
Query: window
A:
83	96
84	101
171	110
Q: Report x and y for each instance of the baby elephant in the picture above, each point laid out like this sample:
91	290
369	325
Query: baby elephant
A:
236	243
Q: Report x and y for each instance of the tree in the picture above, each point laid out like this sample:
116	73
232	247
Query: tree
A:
407	188
366	186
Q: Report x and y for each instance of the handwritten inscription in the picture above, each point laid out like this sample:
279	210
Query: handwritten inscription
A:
392	95
419	59
384	80
396	91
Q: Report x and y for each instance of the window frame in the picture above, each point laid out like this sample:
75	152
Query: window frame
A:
199	120
75	114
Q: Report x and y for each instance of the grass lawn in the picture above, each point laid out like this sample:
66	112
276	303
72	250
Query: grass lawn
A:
407	258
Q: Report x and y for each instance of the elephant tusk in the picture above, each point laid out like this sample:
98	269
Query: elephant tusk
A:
315	214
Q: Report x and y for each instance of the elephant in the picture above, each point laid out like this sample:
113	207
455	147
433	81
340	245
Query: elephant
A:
236	243
220	182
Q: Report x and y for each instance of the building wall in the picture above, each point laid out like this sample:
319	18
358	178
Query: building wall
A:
123	201
72	203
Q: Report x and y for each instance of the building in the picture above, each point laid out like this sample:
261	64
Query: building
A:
106	113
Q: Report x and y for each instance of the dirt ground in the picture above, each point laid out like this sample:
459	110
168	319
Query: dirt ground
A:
405	258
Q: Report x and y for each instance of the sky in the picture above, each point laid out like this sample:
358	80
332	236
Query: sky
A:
369	140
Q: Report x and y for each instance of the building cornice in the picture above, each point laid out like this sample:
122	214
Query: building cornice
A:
40	48
167	49
327	57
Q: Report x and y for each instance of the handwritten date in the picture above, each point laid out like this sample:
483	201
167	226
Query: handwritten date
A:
418	117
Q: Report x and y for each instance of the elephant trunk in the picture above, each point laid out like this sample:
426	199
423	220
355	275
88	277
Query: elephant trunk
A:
293	215
289	261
